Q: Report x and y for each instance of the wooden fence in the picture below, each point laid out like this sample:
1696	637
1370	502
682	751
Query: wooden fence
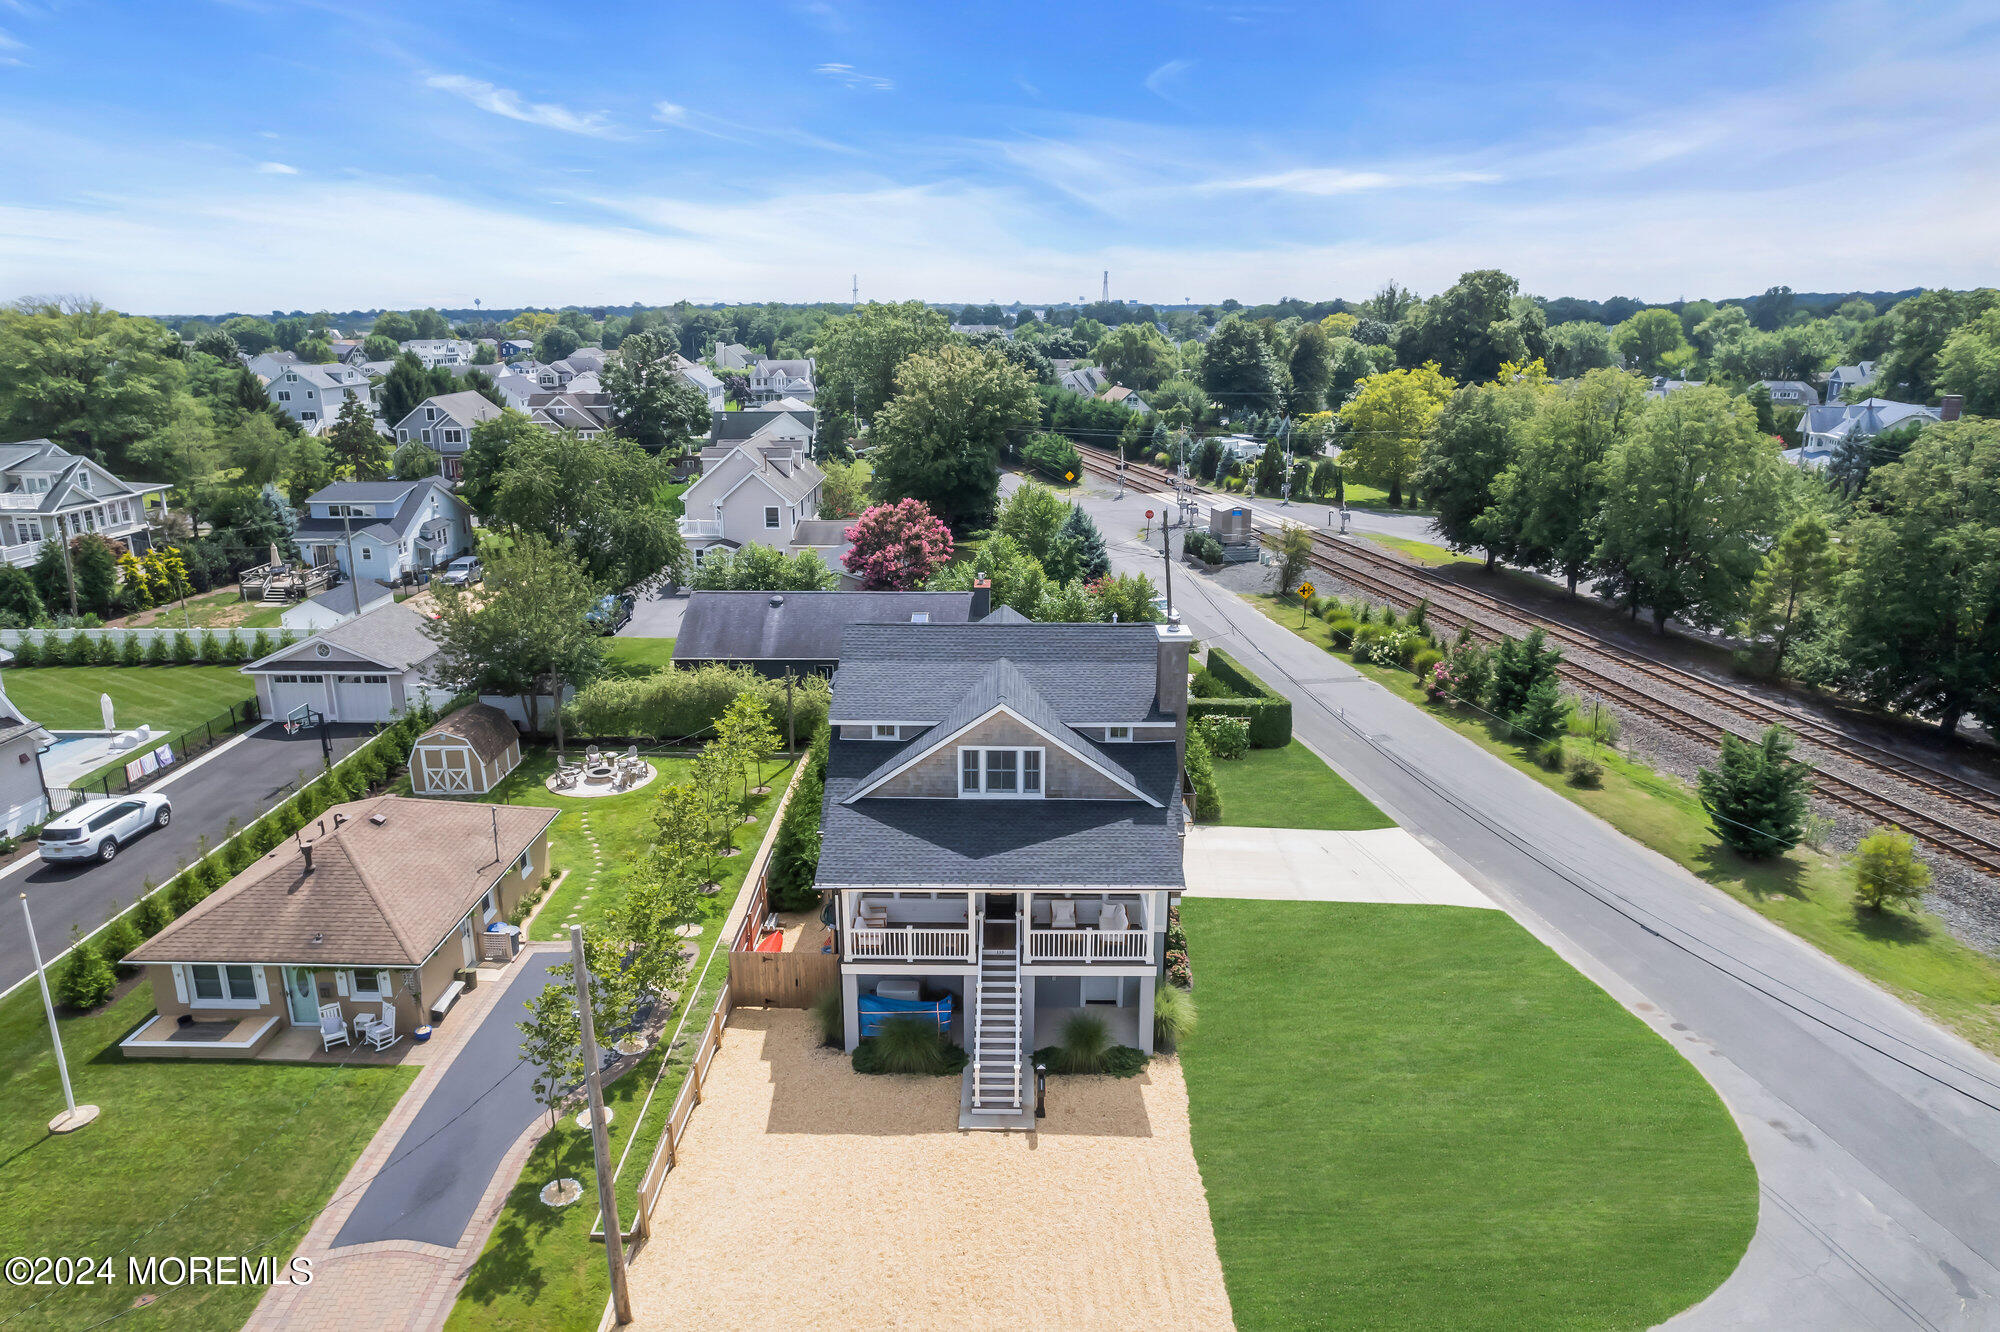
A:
775	980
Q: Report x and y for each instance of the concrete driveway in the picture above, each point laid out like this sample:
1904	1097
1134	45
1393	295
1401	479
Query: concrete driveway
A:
1312	865
238	780
481	1103
657	615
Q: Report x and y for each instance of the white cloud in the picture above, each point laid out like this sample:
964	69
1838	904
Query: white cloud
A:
854	78
1326	182
1161	81
506	102
277	169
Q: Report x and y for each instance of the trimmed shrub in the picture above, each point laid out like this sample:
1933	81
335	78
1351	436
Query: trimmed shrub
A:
235	651
1362	641
156	651
908	1045
260	646
28	652
829	1018
1269	714
1227	738
677	704
79	650
1422	663
1340	632
85	979
183	651
1174	1016
130	653
151	915
210	647
120	937
261	836
290	819
105	650
1201	776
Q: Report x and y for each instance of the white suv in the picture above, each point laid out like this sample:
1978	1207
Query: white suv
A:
96	829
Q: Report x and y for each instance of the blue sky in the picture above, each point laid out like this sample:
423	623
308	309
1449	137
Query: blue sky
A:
259	156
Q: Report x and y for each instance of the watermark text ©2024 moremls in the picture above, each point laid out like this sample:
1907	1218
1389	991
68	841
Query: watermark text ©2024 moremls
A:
172	1270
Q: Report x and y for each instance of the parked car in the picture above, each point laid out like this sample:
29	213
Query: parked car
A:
463	572
96	829
610	614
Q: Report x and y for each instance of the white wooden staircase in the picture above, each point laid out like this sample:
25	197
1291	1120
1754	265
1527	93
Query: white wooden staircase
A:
996	1030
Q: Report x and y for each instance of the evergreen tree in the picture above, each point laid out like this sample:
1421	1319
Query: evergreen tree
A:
1756	794
1087	557
354	442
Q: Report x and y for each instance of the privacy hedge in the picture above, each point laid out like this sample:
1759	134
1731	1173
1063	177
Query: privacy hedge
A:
1201	776
795	853
680	704
1269	714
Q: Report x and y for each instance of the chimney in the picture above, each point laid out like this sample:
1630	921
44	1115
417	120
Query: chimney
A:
982	599
1174	642
306	850
1952	407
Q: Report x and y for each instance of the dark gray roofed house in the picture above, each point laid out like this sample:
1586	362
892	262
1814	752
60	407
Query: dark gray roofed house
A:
1001	831
368	669
776	632
48	490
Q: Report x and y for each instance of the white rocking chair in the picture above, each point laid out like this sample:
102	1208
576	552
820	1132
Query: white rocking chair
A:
382	1032
332	1027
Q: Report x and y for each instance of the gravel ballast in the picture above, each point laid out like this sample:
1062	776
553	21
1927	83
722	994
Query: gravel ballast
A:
809	1195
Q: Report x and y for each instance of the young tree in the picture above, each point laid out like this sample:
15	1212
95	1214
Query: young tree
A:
746	736
682	839
356	444
939	440
1388	418
1295	546
844	492
897	546
657	408
525	635
414	461
1034	516
553	1046
1917	602
1080	548
1518	668
1270	476
1756	794
1887	872
654	904
1691	501
1790	586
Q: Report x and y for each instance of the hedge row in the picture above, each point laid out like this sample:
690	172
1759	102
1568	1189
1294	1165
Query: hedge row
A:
1269	713
1201	776
88	975
795	852
182	649
679	704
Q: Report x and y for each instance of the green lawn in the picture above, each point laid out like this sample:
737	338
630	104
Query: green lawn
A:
1291	788
1909	953
1363	496
1423	552
167	698
640	656
540	1268
186	1158
1423	1118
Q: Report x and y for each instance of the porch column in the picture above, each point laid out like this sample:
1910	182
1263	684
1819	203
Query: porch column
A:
850	1008
1146	984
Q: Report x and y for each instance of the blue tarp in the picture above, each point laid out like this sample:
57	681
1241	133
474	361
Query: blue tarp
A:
874	1008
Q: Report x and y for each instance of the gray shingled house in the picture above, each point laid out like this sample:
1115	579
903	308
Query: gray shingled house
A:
776	633
1002	832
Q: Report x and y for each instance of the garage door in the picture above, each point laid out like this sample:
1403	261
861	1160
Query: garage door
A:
289	691
361	698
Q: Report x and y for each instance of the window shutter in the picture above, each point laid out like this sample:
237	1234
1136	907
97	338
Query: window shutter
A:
257	979
340	983
180	983
382	985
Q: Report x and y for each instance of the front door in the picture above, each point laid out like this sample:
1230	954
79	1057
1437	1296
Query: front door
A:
302	996
466	941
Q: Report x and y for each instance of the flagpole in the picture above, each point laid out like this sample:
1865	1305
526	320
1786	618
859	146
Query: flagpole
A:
76	1116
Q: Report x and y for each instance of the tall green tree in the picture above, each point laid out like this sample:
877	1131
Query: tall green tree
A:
1080	551
856	356
1923	325
1691	501
93	380
939	440
356	444
1472	443
1550	499
1136	356
1920	601
1652	343
523	634
657	409
406	385
1387	420
1034	516
1310	363
1239	370
595	499
1791	586
1578	347
1473	327
1969	364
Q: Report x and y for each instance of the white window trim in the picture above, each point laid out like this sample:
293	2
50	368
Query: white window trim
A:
887	731
1020	753
1112	736
185	986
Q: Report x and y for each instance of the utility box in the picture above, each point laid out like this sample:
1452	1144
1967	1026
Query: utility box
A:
1231	526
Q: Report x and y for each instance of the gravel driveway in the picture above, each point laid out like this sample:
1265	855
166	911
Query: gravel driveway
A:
796	1164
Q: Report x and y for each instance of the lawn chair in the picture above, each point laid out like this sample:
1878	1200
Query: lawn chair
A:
631	759
382	1033
566	774
332	1027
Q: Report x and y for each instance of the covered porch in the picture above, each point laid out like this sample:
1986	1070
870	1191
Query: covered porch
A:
1056	926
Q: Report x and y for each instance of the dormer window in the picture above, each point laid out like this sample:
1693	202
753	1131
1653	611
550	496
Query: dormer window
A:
1000	772
888	731
1117	733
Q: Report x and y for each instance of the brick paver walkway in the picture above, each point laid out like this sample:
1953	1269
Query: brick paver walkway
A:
397	1285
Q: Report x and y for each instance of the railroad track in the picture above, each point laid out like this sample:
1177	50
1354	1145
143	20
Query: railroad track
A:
1399	581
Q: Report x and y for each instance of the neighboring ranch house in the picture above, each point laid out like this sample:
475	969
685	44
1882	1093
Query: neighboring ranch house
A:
798	633
466	753
48	493
751	490
313	395
1790	392
387	530
373	668
1001	833
375	908
788	416
445	423
336	606
1125	398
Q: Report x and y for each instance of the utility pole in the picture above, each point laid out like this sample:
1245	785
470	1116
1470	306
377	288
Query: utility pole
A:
600	1148
76	1116
791	739
1167	559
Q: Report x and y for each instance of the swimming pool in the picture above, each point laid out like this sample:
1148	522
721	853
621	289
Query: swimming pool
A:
75	753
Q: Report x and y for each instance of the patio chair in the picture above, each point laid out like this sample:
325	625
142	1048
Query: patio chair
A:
632	759
1062	914
565	776
332	1027
382	1033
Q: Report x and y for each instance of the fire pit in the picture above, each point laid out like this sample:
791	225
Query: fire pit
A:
599	774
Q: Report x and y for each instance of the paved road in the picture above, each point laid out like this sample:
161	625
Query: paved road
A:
239	782
429	1188
1876	1135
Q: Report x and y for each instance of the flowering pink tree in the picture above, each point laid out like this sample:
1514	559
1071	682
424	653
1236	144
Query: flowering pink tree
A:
897	546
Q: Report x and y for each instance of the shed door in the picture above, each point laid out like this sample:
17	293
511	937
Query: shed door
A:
444	768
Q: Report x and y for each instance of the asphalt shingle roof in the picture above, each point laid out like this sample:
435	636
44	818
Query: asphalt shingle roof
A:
918	672
393	635
804	626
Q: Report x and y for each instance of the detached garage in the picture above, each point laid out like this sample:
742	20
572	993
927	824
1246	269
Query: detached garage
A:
466	753
370	669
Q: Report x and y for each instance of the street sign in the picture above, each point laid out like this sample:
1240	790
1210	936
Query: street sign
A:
1069	476
1149	513
1305	590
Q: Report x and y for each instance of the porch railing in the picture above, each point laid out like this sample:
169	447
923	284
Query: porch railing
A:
1085	945
910	943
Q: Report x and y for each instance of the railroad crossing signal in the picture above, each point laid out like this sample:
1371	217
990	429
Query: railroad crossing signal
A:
1305	591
